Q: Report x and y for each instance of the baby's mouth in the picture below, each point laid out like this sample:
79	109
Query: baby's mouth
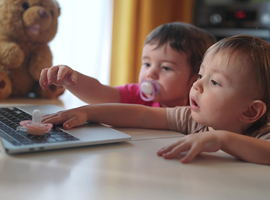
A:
193	103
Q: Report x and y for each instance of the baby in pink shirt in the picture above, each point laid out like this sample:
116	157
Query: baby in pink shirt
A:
171	57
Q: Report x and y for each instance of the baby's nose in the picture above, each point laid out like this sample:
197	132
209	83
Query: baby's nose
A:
152	73
197	86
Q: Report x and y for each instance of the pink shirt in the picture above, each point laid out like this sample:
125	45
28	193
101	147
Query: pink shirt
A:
130	93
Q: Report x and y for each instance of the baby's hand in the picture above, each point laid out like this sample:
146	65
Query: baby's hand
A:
60	75
193	144
69	118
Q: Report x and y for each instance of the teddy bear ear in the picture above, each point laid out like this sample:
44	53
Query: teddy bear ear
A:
59	9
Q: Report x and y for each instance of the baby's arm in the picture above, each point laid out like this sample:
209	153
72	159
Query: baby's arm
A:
243	147
86	88
118	115
246	148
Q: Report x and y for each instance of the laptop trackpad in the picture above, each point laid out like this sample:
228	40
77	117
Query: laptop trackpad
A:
96	132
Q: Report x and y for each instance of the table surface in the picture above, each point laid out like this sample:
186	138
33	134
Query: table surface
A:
128	170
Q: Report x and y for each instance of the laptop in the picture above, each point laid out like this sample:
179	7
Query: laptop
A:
16	141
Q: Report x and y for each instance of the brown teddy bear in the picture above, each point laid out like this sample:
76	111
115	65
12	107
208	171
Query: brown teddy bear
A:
26	27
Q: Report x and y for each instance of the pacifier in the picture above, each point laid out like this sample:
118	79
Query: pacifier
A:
149	87
35	127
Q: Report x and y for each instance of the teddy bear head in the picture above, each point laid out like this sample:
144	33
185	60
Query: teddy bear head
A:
29	20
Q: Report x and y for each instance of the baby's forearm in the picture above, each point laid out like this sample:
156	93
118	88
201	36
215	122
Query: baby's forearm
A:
245	148
128	115
91	91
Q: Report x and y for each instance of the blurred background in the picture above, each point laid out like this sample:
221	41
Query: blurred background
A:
104	38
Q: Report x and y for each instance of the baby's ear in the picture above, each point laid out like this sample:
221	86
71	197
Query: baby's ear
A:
254	112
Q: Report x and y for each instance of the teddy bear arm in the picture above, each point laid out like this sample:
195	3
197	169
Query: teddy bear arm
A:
41	59
11	55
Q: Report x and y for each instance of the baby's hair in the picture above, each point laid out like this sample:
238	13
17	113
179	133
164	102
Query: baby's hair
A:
185	38
255	57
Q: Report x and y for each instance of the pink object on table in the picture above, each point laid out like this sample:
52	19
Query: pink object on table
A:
35	127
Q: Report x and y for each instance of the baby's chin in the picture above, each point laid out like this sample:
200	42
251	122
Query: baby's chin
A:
197	118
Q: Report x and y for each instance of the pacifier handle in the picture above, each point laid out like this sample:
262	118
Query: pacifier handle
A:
149	87
36	118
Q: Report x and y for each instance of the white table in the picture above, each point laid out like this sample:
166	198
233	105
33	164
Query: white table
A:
129	170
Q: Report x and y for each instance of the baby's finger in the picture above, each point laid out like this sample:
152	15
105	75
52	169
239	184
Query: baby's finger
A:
53	118
43	81
166	149
73	122
175	152
194	151
73	78
63	71
52	74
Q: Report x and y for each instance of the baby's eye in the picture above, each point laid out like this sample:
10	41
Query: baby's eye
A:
166	68
146	64
214	82
199	76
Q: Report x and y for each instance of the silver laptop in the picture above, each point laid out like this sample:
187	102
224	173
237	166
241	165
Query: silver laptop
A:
15	142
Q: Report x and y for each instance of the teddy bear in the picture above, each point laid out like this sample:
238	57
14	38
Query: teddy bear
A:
26	28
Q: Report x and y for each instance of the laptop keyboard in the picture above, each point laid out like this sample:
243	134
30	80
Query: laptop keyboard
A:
10	118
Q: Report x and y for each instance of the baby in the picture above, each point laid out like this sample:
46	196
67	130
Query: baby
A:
171	57
229	106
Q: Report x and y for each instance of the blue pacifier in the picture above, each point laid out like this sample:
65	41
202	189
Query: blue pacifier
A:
149	87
